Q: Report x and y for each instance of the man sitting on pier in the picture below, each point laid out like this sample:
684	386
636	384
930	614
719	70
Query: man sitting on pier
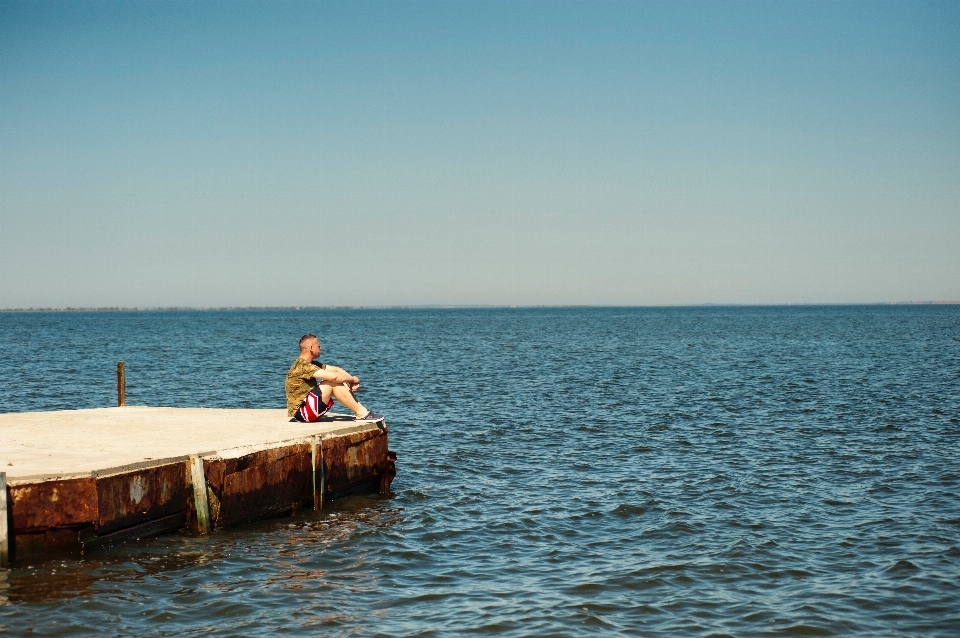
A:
311	387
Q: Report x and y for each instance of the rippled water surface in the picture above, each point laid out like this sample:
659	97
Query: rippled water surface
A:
701	471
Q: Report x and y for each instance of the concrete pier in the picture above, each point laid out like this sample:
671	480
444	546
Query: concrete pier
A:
76	479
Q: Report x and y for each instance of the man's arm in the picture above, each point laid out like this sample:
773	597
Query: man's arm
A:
333	374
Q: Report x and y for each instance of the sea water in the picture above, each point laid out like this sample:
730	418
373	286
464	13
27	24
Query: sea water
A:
561	471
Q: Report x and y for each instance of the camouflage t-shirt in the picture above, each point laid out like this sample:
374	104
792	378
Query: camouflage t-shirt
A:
300	381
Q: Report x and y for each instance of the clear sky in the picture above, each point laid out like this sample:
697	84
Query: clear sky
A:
393	153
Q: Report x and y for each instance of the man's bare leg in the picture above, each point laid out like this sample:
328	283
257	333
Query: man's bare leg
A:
341	392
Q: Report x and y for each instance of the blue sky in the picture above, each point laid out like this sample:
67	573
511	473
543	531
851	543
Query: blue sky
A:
394	153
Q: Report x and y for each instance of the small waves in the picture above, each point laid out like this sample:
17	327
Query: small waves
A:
701	471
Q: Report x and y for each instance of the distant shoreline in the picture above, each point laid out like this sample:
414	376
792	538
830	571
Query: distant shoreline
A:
460	307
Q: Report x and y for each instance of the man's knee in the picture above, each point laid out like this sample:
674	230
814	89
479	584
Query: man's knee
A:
325	390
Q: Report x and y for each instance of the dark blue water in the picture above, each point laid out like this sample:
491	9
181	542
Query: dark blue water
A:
695	471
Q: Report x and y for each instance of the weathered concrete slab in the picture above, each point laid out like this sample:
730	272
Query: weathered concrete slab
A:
82	478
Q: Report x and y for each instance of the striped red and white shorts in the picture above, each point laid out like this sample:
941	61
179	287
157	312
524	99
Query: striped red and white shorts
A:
313	407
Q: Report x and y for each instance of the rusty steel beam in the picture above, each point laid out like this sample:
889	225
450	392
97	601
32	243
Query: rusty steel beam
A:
54	504
266	482
355	458
129	499
89	538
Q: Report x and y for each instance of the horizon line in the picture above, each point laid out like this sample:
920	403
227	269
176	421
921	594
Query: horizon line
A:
462	306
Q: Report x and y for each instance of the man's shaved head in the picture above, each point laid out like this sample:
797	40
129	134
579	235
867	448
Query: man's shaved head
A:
305	341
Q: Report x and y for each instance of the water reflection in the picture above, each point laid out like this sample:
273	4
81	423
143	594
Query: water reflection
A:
279	546
71	578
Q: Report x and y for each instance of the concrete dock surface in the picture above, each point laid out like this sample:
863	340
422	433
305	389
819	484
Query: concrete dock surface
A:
78	478
38	446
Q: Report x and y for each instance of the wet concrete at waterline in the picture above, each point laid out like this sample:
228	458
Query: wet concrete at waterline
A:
704	471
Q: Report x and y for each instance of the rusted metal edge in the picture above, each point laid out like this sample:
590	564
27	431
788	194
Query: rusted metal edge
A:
356	486
89	538
243	450
110	471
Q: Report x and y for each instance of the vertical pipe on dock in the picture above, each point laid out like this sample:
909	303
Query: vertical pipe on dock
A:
323	473
314	443
200	494
4	532
121	385
318	464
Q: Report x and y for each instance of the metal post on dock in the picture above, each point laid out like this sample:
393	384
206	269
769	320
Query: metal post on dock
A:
313	463
323	473
318	464
121	385
4	532
200	494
